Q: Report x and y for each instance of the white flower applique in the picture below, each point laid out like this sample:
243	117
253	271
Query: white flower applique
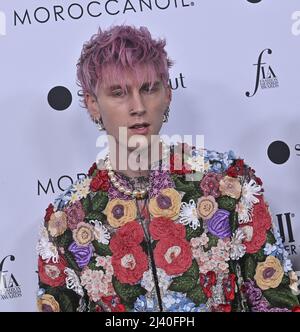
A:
102	234
73	282
45	248
163	279
82	187
250	191
188	214
237	248
197	163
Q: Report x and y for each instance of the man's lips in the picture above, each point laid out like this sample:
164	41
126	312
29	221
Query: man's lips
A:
139	125
140	128
140	131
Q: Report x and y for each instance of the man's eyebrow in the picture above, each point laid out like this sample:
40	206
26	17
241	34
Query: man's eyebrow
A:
149	83
118	86
114	87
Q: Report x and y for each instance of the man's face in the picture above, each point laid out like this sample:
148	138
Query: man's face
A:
138	104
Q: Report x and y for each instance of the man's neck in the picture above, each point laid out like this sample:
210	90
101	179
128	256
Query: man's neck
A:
141	167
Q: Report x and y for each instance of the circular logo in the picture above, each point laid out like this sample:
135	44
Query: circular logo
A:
59	98
279	152
254	1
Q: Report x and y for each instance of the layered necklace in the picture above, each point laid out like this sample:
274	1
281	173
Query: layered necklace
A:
135	193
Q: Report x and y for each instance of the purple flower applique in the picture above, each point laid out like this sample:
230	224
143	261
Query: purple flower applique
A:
159	179
115	193
82	254
218	224
257	301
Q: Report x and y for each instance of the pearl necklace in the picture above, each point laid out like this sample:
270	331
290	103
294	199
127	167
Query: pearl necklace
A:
136	193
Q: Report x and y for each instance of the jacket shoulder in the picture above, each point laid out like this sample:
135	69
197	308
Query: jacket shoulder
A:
202	159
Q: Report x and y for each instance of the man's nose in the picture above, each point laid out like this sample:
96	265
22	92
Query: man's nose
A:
137	105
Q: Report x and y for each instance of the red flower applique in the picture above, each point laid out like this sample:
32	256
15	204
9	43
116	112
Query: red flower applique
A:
229	287
177	166
100	181
173	255
92	169
237	169
251	175
163	228
130	266
296	308
49	211
128	260
207	281
52	274
114	303
129	235
98	308
261	222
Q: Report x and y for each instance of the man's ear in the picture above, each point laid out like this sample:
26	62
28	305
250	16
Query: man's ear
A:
92	106
169	94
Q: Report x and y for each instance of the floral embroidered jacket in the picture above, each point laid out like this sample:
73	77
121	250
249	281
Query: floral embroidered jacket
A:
201	245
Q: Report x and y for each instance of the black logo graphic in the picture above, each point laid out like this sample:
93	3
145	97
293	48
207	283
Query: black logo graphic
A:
174	83
95	9
268	80
297	148
63	183
279	152
287	217
59	98
9	287
254	1
286	231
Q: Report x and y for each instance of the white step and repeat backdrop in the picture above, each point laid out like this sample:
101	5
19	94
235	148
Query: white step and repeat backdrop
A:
235	80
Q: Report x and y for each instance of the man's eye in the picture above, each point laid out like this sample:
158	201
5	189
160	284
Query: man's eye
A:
118	93
149	89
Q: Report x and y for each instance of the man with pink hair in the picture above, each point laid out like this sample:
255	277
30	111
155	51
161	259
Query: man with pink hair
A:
124	77
189	232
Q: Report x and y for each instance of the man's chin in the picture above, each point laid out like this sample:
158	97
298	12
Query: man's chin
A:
139	141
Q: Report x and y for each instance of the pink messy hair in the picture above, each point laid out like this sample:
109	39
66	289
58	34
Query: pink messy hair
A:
109	54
